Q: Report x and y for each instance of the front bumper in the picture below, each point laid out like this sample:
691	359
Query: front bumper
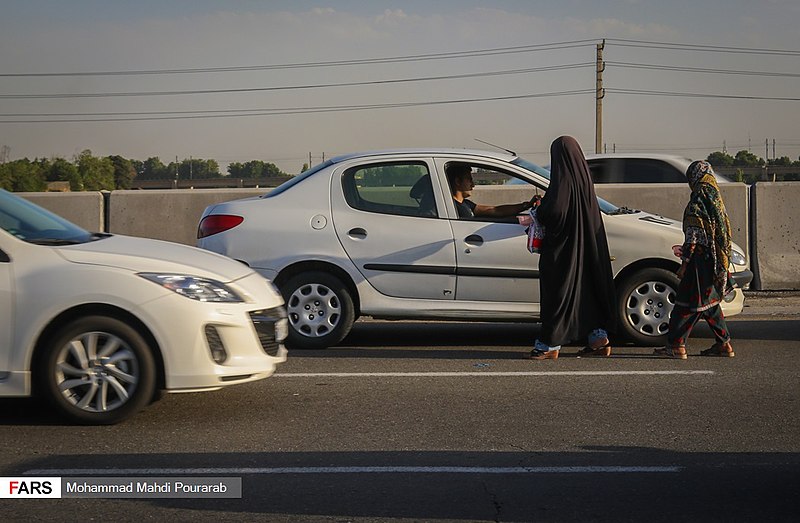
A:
742	278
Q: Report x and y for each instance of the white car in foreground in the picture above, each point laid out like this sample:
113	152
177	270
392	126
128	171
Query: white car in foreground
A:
377	234
100	323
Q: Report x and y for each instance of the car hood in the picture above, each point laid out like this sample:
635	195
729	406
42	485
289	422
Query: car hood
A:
147	255
673	227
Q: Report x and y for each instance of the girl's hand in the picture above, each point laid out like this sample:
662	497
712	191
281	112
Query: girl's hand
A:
677	250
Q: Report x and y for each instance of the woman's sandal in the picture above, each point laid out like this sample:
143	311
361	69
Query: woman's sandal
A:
537	354
723	350
678	353
602	350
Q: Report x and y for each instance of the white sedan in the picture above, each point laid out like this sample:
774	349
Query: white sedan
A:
378	234
100	323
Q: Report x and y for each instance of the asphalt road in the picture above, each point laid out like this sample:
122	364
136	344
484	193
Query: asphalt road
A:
448	422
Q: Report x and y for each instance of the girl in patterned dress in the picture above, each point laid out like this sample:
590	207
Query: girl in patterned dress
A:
704	275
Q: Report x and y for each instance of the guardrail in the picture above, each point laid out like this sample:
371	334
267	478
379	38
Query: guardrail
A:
764	216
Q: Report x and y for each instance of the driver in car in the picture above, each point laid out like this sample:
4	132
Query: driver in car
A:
459	176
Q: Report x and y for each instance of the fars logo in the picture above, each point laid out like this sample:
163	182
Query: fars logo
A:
30	487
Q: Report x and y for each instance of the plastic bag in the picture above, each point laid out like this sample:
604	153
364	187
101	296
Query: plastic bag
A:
535	231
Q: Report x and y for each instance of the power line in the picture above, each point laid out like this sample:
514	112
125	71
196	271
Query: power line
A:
332	63
298	87
701	70
698	47
700	95
173	115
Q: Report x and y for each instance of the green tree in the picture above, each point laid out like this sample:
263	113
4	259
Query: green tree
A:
747	159
22	176
124	172
154	169
138	167
62	170
720	159
97	173
254	169
196	169
782	161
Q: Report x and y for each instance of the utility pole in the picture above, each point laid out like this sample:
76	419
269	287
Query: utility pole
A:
766	144
598	96
774	156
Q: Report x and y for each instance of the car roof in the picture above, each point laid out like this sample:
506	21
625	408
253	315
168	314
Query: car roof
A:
651	156
426	151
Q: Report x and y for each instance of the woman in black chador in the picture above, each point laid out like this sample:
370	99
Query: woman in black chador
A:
575	278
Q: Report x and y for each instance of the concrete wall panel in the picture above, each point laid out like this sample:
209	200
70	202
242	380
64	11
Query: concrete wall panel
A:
170	215
85	209
776	235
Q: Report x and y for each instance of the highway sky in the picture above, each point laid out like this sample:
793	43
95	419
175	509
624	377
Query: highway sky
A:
200	78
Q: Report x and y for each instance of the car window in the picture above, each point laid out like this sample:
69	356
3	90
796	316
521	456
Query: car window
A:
607	170
483	175
401	188
643	170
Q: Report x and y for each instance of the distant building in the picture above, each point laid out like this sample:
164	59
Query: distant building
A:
58	187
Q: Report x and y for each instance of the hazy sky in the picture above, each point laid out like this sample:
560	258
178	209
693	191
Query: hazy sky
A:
200	77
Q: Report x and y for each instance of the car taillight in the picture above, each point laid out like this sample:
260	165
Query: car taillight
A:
217	223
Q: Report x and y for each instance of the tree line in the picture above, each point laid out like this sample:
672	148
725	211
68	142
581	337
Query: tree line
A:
744	159
87	172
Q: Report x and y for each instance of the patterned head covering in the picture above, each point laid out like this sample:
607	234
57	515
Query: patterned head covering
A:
705	221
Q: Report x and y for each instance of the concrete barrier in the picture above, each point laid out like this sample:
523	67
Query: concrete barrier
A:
170	215
765	227
776	235
85	209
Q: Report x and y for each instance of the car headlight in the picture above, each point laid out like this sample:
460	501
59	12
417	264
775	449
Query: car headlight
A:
200	289
737	258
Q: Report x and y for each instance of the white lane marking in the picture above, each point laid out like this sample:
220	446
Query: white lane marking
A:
493	374
353	470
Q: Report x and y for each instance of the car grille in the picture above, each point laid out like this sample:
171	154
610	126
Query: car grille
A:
271	326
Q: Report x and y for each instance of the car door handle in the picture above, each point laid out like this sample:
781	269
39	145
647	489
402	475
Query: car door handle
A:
357	233
474	239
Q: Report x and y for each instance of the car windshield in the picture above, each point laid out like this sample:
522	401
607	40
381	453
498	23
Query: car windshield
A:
605	206
33	224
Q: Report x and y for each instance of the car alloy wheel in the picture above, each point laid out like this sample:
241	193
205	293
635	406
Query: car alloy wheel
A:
98	370
646	301
319	308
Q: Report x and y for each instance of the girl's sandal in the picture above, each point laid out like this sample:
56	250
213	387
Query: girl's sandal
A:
678	353
602	350
723	350
537	354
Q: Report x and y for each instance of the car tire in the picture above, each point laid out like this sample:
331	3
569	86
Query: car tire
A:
320	310
97	371
645	300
